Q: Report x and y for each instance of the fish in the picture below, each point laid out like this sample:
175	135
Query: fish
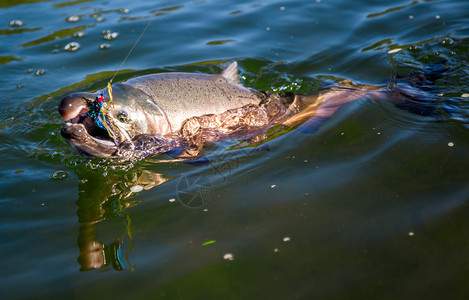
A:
181	112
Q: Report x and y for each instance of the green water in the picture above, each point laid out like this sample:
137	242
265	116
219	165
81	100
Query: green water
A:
372	205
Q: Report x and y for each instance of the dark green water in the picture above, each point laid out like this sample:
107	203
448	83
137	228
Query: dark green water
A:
373	205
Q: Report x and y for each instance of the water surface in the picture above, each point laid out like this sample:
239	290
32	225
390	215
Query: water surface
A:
371	205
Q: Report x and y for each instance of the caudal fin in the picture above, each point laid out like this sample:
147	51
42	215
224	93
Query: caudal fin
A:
419	93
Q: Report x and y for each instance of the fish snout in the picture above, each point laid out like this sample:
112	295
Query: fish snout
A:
75	104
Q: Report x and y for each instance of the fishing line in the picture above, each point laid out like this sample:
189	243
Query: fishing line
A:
131	49
102	109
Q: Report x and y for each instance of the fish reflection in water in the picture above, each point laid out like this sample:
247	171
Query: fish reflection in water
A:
99	198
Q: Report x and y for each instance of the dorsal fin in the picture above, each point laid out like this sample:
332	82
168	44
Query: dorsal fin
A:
231	73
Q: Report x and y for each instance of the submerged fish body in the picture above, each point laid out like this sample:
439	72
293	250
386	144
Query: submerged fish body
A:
155	114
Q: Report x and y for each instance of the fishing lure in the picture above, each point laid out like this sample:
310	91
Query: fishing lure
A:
96	110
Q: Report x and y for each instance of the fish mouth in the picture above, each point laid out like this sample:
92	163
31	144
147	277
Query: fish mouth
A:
88	139
82	132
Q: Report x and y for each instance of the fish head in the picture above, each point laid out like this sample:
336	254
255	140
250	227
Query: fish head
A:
101	127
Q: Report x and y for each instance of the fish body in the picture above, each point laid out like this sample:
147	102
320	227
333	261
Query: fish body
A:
155	114
178	95
150	109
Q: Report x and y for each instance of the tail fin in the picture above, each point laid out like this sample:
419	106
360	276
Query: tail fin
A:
426	80
419	93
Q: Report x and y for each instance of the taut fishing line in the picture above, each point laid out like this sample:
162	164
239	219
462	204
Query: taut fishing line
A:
97	109
131	49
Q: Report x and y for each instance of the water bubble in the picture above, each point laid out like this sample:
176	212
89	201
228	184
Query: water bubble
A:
72	47
104	46
100	19
40	72
73	19
123	10
447	41
111	36
79	34
59	175
228	256
16	23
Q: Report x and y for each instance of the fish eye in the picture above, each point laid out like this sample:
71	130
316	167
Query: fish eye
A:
122	116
